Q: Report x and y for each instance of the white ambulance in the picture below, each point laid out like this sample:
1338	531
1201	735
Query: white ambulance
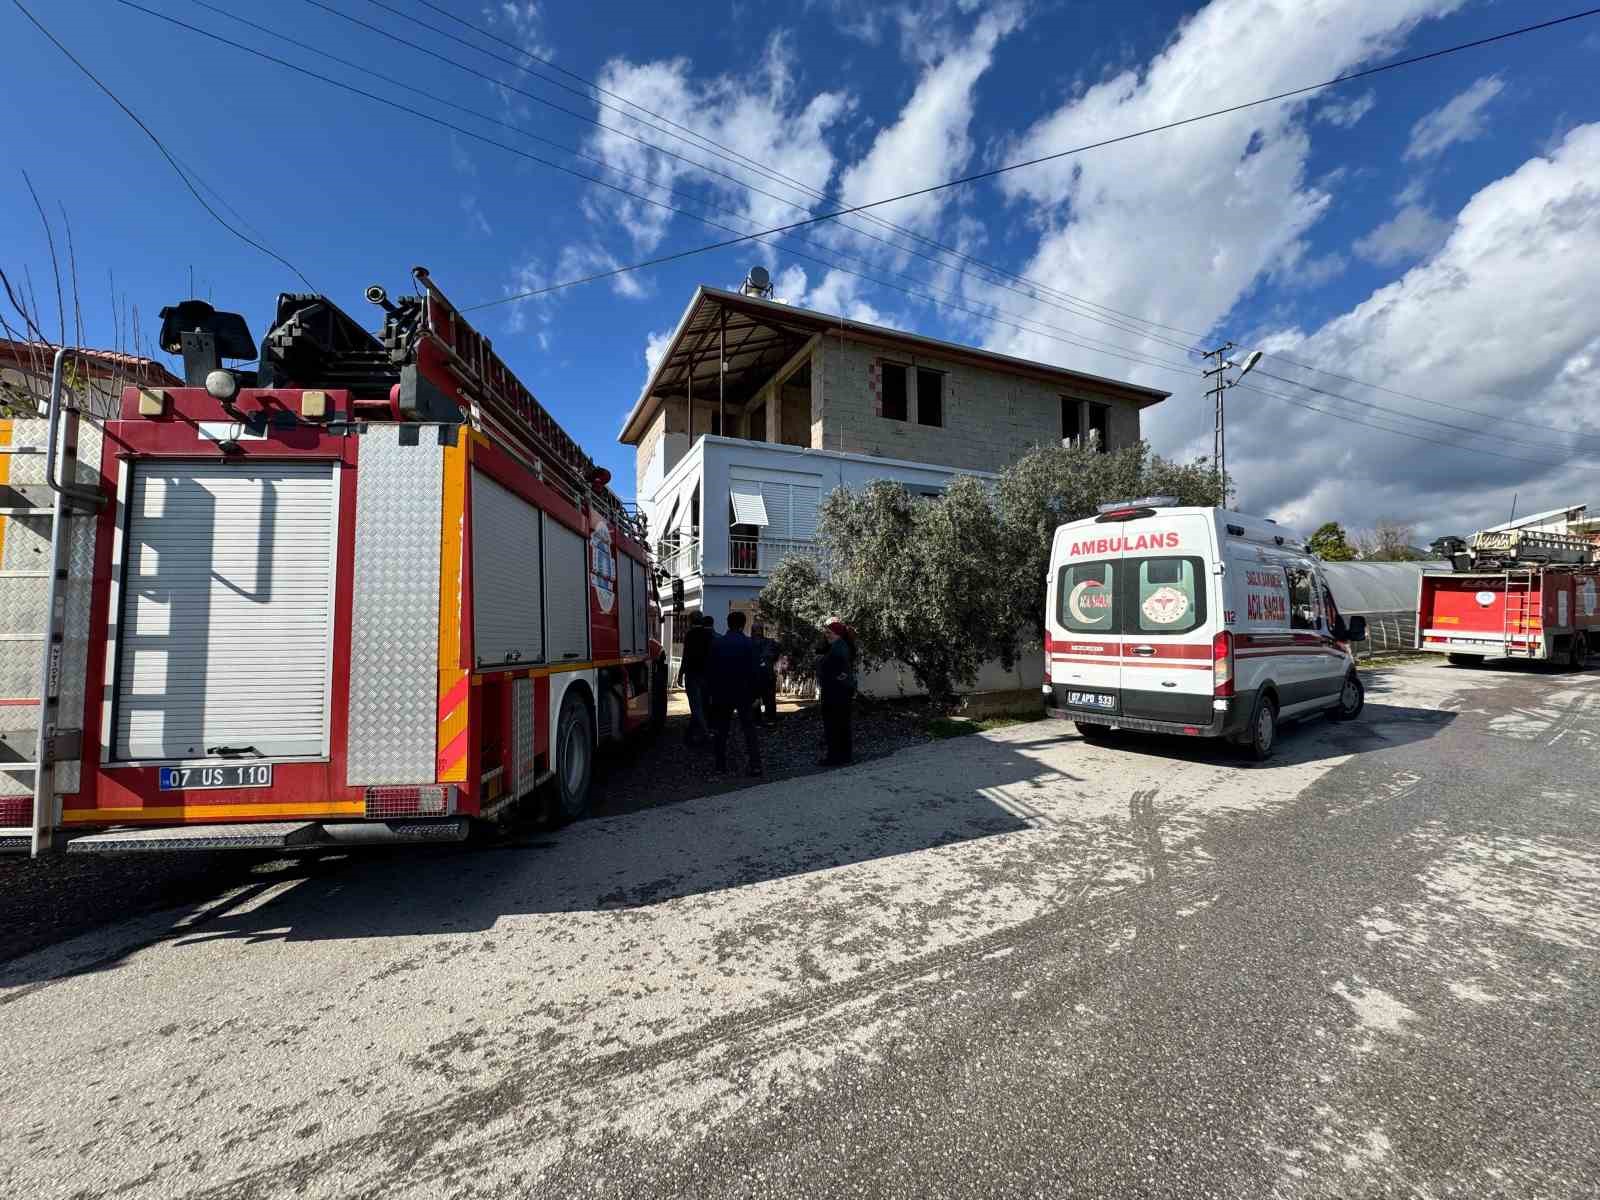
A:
1192	621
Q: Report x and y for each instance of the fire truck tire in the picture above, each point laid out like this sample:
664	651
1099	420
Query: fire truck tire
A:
1465	660
1352	699
574	758
1261	738
658	696
1578	657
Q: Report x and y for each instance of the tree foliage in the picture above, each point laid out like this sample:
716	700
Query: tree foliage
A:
948	583
1330	544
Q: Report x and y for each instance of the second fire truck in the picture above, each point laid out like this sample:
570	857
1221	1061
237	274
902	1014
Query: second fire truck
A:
370	591
1514	593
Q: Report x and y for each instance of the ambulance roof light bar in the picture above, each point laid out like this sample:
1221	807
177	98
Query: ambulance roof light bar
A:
1123	510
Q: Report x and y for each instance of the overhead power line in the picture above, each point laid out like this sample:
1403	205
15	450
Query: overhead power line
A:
161	146
997	315
731	155
1495	435
1040	293
994	172
1471	412
1538	462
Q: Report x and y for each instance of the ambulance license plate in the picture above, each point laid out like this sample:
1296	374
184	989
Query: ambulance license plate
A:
242	775
1101	700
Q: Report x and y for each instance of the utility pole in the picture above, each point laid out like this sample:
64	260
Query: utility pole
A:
1220	384
1219	436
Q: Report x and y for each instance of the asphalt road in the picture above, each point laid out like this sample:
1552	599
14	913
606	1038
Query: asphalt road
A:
1009	965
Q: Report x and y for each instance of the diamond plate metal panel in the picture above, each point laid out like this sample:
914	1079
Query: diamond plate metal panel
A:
522	773
394	637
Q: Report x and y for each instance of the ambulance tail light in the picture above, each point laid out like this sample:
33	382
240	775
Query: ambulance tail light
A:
1222	665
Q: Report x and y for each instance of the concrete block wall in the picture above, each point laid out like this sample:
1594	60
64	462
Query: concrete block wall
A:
990	418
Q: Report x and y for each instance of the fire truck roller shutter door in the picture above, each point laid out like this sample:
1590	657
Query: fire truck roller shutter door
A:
641	606
506	571
225	633
566	593
626	644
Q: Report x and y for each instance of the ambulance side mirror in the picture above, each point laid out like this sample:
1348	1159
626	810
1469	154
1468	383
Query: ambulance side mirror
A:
1355	629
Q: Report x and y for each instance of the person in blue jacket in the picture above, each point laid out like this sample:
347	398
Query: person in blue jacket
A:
733	681
836	688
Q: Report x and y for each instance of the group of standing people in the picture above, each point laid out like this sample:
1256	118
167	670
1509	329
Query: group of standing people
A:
732	675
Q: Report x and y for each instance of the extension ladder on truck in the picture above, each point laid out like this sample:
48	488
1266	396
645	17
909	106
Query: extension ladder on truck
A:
1517	619
47	530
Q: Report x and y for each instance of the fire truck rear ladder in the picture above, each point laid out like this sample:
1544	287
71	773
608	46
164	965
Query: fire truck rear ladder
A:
68	502
1518	625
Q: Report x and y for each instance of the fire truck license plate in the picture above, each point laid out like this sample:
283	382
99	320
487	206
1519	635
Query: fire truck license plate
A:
1092	700
244	775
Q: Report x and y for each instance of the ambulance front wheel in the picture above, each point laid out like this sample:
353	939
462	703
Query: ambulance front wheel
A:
574	758
1352	699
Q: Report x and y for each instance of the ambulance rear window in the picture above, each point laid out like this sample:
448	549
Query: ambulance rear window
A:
1086	599
1171	597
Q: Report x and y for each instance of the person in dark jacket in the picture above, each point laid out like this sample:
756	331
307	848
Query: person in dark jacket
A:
767	659
836	687
697	641
733	680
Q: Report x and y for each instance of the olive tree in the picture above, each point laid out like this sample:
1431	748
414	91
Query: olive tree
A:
1055	484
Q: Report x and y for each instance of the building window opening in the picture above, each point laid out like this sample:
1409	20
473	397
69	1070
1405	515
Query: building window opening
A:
1099	426
1071	429
894	391
930	398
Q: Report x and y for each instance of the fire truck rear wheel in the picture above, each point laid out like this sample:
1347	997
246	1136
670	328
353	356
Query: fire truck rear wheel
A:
1465	660
1352	699
1261	738
574	758
658	696
1578	658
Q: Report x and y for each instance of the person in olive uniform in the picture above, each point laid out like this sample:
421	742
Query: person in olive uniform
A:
836	687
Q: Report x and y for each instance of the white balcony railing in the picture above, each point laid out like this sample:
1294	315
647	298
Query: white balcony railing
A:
679	556
749	555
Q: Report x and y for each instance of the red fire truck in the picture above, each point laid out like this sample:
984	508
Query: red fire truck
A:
1514	594
370	591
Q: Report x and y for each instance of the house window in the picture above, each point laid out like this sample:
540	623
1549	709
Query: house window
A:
1085	421
1100	425
930	398
894	391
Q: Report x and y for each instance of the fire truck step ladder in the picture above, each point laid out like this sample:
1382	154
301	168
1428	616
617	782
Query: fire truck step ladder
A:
1517	622
60	502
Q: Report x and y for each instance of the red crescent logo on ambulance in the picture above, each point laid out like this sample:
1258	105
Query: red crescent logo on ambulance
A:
1089	602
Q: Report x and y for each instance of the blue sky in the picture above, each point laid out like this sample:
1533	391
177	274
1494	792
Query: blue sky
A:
1426	230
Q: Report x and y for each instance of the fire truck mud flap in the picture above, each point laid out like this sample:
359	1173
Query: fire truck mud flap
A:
285	835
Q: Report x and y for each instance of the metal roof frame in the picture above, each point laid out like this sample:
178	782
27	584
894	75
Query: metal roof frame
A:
762	335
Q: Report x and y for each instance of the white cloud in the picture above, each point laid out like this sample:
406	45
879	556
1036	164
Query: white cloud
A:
1413	232
1180	226
1347	113
525	23
755	114
1299	268
1461	120
655	348
930	141
1446	331
474	214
